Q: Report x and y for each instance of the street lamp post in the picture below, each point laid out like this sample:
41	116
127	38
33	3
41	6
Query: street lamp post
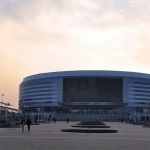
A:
145	110
3	111
2	100
38	109
6	111
25	109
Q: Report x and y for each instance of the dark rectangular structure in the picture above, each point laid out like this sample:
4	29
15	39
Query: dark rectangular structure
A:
93	90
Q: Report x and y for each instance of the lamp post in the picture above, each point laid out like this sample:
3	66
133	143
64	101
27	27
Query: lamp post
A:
6	110
145	110
3	112
24	111
2	100
38	109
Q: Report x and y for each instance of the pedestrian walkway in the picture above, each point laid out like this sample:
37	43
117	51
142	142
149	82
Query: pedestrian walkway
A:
48	136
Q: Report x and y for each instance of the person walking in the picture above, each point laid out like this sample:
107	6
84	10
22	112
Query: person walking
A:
28	123
67	120
54	120
22	124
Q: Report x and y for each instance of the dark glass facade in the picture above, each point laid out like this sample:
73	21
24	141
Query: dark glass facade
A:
93	90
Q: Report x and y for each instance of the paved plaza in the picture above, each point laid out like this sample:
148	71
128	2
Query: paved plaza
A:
48	136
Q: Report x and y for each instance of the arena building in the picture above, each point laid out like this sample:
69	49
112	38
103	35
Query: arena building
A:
84	89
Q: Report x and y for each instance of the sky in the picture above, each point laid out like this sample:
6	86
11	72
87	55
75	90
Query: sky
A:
38	36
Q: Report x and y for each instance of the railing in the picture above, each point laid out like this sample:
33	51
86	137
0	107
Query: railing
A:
79	117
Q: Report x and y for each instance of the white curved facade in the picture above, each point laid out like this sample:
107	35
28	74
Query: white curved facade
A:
48	90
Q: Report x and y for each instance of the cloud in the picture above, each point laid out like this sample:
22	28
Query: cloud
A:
143	53
99	25
52	35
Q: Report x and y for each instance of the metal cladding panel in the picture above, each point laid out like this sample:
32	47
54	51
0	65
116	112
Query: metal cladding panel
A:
135	86
90	73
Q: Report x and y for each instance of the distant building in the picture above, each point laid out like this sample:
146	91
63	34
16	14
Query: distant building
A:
83	89
10	109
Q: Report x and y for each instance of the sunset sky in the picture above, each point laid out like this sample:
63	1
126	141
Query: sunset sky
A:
56	35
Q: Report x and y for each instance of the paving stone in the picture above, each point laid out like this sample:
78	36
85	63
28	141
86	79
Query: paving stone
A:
48	136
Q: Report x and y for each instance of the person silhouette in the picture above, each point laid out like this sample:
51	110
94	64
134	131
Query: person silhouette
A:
28	123
67	120
22	124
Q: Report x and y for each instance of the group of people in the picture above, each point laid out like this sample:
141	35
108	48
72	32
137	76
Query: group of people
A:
28	123
25	122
